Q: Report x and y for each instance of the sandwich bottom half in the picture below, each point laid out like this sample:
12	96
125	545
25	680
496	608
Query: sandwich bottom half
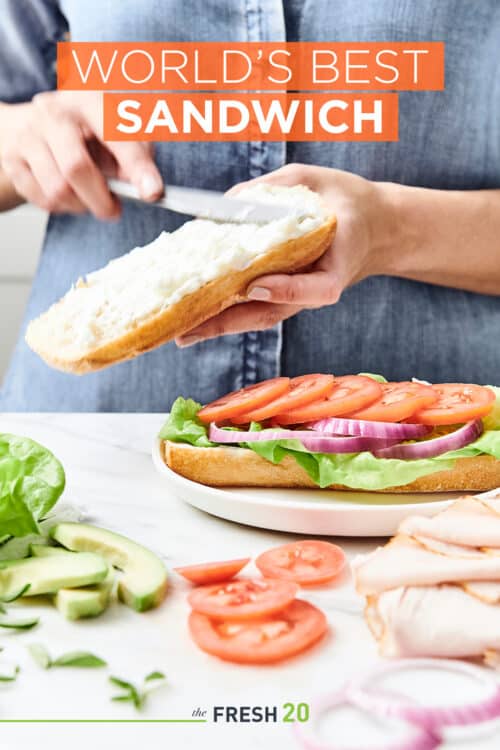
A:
240	467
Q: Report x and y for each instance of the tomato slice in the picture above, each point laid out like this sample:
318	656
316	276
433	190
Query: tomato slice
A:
246	399
291	631
303	390
398	401
457	402
242	599
306	562
212	572
350	392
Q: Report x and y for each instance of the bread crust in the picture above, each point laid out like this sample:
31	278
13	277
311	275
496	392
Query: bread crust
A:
240	467
192	310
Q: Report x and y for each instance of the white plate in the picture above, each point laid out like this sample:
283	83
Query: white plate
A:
325	512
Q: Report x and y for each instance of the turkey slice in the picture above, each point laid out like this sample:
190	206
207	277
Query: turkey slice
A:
467	522
446	548
487	591
492	503
440	621
403	562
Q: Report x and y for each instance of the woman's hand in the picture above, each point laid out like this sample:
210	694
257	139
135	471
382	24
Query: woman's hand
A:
365	228
52	151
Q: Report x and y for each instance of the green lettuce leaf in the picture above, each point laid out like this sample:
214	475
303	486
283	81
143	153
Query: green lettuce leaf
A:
356	470
374	376
31	481
492	421
184	426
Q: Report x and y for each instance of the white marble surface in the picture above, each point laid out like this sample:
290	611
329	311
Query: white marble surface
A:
110	472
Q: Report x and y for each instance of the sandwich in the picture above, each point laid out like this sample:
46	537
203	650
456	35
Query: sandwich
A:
354	432
160	291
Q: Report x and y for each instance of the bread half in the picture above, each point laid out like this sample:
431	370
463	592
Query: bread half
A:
241	467
105	319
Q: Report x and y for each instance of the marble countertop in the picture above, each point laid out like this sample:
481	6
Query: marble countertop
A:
110	474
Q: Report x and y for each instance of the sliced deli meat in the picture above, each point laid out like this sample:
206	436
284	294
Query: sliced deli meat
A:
447	548
405	562
467	522
434	589
436	621
491	500
486	591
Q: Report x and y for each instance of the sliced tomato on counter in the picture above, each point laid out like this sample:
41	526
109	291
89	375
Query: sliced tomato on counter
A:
242	599
350	392
289	632
246	399
306	562
456	403
398	401
212	572
303	390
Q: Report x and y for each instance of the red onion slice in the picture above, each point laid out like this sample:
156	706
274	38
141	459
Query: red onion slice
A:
220	435
312	441
418	737
436	447
336	444
424	721
365	428
430	717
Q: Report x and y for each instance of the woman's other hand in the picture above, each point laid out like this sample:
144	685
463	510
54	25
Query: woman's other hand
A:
364	231
52	151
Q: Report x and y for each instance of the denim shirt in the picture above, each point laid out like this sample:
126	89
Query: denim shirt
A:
448	140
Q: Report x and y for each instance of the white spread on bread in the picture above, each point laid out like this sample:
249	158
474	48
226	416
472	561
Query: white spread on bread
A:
148	279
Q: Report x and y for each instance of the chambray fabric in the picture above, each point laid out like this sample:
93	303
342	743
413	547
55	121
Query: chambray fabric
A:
448	140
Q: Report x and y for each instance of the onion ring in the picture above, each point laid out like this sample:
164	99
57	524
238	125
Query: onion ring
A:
419	738
428	716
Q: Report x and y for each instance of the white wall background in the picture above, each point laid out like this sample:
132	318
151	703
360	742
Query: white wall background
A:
21	233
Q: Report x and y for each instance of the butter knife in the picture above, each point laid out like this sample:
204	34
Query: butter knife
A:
209	204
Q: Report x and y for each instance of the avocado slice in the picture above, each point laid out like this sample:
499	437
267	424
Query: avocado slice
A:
143	584
87	601
45	549
46	575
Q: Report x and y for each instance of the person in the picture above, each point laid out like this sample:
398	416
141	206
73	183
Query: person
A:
411	285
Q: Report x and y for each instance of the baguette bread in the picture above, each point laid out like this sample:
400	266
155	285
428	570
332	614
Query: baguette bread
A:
229	466
160	291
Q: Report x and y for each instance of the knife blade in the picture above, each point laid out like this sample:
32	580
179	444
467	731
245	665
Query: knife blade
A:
209	204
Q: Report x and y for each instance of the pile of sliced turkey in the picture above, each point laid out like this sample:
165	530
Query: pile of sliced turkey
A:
434	589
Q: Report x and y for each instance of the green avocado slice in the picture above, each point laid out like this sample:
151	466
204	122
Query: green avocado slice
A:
75	603
46	575
143	584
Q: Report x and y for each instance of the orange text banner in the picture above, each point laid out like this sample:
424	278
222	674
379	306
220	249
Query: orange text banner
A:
250	66
251	117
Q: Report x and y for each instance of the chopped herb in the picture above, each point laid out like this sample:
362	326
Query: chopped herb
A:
17	595
12	677
78	659
131	692
154	676
70	659
136	695
25	623
40	655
